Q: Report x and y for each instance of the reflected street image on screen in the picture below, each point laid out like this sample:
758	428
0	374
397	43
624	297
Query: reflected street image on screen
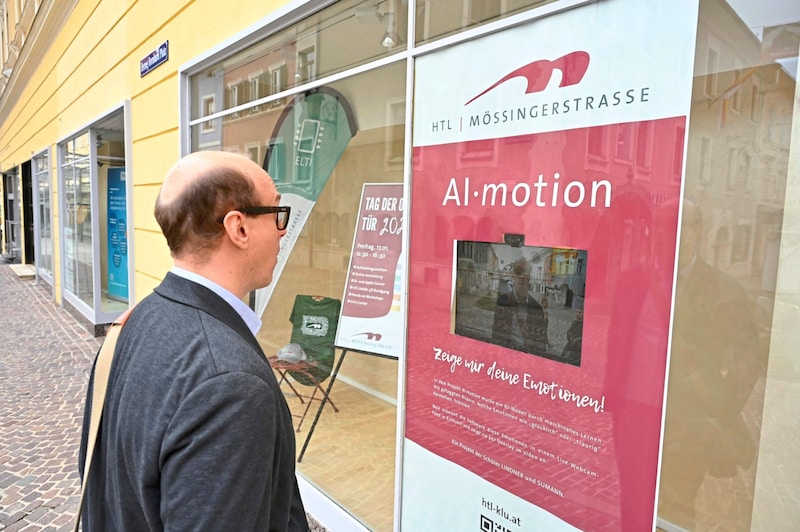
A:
525	298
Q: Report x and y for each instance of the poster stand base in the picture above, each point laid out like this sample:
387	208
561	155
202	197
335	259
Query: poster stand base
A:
325	396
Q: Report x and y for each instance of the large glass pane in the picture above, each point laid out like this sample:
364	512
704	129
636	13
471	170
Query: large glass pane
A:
78	224
83	232
45	244
351	456
299	54
112	214
728	456
439	18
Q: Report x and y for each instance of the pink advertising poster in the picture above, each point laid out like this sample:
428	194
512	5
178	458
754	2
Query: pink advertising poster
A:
547	170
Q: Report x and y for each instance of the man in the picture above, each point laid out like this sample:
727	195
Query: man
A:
196	433
572	350
519	320
715	363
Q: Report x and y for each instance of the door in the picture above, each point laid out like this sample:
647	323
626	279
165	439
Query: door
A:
27	213
11	226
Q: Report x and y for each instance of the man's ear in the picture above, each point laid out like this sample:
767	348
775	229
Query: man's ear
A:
236	228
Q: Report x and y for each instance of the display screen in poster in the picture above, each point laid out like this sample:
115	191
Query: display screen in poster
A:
525	298
575	145
371	318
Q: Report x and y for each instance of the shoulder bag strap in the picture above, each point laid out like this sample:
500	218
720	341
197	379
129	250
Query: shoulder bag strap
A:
101	372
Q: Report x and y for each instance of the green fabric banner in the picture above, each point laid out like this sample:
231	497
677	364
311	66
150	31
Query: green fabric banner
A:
309	139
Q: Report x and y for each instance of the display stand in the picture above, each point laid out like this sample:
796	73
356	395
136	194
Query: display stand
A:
324	400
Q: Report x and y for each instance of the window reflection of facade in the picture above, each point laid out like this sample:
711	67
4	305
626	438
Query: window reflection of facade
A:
41	165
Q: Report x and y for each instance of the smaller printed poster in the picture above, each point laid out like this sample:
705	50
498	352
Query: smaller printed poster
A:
371	318
117	236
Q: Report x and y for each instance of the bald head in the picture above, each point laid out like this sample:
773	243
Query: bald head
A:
197	166
197	190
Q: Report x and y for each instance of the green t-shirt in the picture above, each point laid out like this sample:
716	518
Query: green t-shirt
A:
314	323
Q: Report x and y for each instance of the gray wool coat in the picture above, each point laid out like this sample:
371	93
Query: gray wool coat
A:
196	434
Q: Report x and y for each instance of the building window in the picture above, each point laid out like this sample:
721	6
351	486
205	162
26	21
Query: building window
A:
643	144
706	151
254	92
595	142
256	89
208	110
755	103
233	97
277	82
741	244
306	64
625	142
712	60
736	98
738	169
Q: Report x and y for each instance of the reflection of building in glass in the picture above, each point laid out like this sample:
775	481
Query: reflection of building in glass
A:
569	277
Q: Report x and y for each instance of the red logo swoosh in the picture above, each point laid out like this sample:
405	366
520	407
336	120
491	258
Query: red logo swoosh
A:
572	66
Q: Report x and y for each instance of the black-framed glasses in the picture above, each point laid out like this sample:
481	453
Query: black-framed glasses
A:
281	214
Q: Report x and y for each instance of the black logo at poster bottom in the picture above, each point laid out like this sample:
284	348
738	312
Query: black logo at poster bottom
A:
487	525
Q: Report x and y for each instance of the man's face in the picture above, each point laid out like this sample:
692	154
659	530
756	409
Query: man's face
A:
266	234
522	282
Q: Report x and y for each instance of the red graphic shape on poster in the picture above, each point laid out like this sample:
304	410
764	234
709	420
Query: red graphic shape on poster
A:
376	249
581	441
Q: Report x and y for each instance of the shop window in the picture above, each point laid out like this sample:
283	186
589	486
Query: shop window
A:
314	266
44	216
439	18
94	224
78	237
365	390
737	256
320	35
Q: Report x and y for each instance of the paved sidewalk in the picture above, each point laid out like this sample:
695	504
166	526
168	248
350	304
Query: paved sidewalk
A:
45	358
